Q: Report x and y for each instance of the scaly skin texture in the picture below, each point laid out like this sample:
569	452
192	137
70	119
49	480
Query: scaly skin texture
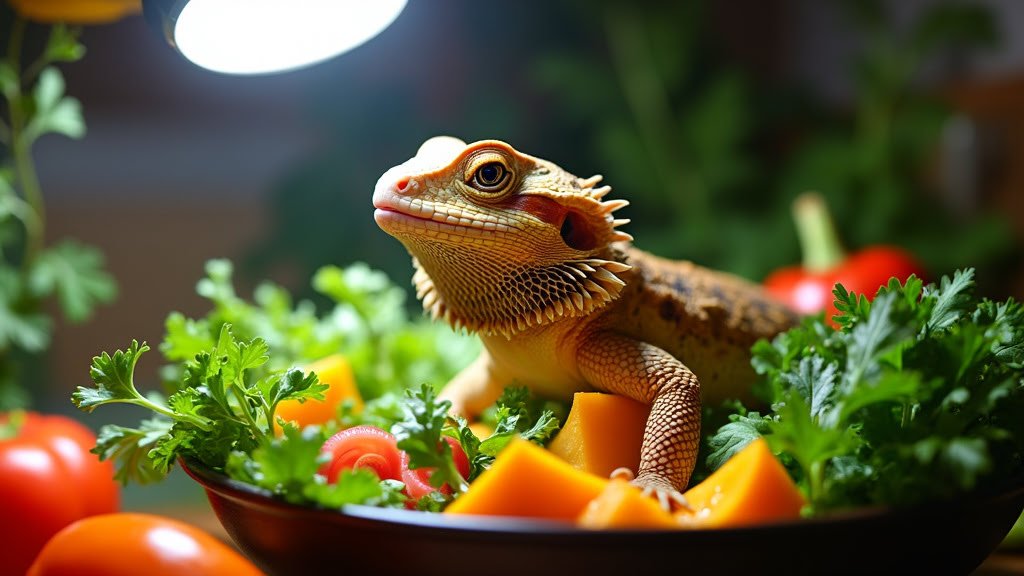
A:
530	258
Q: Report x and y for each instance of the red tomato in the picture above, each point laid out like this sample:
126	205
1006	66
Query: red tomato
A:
376	449
48	479
459	455
73	441
808	288
362	447
864	272
130	544
417	481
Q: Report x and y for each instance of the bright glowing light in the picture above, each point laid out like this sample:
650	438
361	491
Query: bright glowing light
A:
260	36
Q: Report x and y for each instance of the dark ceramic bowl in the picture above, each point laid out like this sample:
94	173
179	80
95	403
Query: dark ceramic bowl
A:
286	539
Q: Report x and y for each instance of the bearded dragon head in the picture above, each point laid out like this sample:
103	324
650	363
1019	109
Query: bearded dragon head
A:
501	241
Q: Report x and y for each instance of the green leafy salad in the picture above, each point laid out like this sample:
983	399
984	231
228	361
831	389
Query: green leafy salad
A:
918	395
227	373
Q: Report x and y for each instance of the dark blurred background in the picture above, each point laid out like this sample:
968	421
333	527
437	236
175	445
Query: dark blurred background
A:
710	117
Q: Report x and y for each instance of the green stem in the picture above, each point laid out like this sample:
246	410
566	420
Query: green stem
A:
239	393
14	44
33	70
816	484
35	227
21	151
268	412
196	421
460	486
12	426
12	395
816	232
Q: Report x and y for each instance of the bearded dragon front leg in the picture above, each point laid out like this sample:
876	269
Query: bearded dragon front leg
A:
475	388
646	373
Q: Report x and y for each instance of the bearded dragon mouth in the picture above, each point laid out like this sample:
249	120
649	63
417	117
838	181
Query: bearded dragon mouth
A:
394	219
394	213
405	206
386	217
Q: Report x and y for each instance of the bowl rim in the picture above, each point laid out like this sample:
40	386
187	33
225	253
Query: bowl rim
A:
225	486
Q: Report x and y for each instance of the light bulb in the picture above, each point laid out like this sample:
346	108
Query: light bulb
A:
262	36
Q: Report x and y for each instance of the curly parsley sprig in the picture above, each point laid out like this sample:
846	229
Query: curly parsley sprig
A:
517	414
225	404
419	435
426	421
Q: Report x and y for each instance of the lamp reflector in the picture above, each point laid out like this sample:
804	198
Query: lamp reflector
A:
262	36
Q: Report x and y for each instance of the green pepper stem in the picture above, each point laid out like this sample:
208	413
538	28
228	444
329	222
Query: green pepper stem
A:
819	242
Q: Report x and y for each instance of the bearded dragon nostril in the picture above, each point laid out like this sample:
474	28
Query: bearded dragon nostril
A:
406	186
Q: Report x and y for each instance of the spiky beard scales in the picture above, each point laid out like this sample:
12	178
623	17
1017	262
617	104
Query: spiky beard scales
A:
489	296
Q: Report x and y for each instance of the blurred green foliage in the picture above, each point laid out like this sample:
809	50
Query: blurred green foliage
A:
33	271
672	130
366	320
871	163
709	153
677	128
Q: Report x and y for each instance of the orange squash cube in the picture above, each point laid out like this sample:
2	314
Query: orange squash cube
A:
334	371
602	432
481	429
751	488
623	505
527	480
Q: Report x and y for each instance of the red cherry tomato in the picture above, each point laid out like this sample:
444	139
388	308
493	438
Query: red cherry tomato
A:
459	455
373	448
130	544
417	481
48	479
362	447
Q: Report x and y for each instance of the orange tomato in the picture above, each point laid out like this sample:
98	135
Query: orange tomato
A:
48	479
129	544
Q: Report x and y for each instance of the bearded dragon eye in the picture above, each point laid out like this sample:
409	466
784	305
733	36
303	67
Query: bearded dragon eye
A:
490	177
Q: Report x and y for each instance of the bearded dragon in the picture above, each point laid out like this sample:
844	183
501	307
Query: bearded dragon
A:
531	259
